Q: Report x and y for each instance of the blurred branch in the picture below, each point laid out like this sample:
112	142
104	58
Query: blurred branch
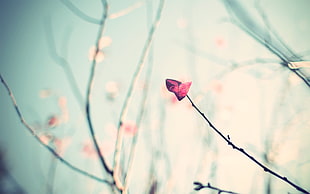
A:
146	89
272	31
135	138
304	53
126	10
60	60
245	22
75	10
51	176
6	177
230	143
132	86
200	186
90	86
50	149
220	61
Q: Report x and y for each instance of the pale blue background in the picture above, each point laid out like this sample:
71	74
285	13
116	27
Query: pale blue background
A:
28	68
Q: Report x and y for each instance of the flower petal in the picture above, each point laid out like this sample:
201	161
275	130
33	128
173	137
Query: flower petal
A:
172	85
178	88
183	90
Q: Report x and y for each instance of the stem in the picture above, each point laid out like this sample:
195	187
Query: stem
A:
230	143
89	90
143	104
200	186
128	98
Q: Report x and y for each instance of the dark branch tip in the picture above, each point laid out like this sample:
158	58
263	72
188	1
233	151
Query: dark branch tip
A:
198	187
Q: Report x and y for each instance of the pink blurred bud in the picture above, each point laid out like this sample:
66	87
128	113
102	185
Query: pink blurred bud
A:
62	101
220	42
104	41
53	121
92	55
130	128
45	139
45	93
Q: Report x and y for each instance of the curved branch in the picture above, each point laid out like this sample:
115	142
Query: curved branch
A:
140	116
79	13
90	87
60	60
132	86
230	143
50	149
126	10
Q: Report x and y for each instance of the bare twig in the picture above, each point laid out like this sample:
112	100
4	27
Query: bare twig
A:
79	13
230	143
132	86
50	149
90	87
199	186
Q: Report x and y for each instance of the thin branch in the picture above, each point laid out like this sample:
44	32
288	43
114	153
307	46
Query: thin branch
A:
126	10
272	31
138	122
51	176
132	86
219	60
60	60
142	108
50	149
90	87
200	186
246	23
136	137
230	143
79	13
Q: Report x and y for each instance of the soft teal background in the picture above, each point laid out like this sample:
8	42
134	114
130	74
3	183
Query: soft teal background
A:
263	107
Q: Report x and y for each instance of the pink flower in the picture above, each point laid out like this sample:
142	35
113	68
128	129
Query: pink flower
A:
62	102
45	139
220	42
217	87
130	128
53	121
178	88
